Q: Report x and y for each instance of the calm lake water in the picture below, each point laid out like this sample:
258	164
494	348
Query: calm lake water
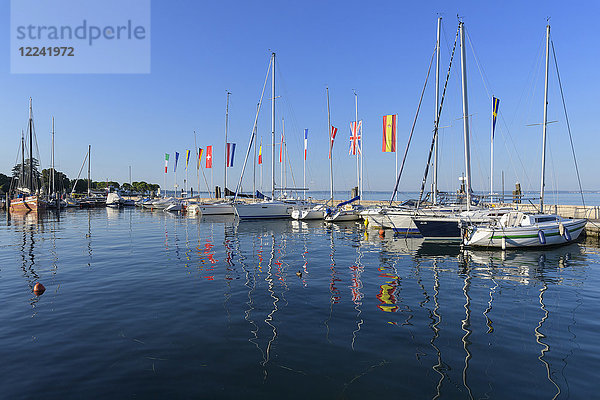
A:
142	304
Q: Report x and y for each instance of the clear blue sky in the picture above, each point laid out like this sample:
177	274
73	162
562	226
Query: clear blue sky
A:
381	49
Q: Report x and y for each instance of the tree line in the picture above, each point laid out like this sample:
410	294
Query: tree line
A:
63	184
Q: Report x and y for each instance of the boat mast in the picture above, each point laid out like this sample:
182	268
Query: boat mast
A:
330	147
356	148
255	160
283	176
463	64
304	166
492	160
226	149
52	156
89	169
273	126
22	179
437	111
30	149
545	121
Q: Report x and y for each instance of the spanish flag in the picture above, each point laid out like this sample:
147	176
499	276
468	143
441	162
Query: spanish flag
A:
260	153
389	133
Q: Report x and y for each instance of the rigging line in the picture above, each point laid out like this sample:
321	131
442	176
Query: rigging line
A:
484	78
568	124
473	137
435	130
294	121
481	72
554	181
413	128
535	67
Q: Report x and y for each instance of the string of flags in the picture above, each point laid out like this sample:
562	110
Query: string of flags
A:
208	157
388	142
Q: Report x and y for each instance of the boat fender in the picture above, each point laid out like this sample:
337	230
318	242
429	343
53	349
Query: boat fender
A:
561	229
541	237
503	242
366	222
567	234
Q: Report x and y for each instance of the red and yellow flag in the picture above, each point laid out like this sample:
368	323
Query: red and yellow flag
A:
260	154
200	150
389	133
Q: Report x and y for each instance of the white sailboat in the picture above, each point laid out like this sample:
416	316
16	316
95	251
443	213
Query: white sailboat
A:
400	218
518	229
448	225
267	208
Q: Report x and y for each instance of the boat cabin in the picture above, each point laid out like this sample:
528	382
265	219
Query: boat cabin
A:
517	218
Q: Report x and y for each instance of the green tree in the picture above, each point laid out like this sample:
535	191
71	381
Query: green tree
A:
4	183
21	169
61	182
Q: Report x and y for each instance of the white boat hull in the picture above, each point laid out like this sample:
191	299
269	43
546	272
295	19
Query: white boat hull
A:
398	221
216	209
316	212
343	215
263	210
528	236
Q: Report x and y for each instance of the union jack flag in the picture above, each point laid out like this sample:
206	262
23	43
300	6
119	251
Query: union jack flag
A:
355	137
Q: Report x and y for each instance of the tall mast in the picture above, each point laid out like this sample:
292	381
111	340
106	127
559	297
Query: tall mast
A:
283	176
255	160
30	148
226	149
22	179
273	126
437	111
52	156
89	169
545	121
463	64
356	149
304	166
330	147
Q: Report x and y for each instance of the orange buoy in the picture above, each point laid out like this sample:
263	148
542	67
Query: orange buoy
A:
381	233
38	289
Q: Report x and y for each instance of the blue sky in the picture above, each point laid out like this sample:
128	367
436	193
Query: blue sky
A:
381	49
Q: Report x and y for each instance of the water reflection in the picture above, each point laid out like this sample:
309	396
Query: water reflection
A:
448	314
333	290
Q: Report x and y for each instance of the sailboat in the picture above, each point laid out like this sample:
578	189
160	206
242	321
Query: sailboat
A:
399	218
448	225
519	229
267	208
27	194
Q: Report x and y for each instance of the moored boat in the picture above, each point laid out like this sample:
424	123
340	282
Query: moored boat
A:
518	229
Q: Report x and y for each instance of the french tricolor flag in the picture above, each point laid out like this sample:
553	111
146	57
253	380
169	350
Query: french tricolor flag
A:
305	143
230	154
